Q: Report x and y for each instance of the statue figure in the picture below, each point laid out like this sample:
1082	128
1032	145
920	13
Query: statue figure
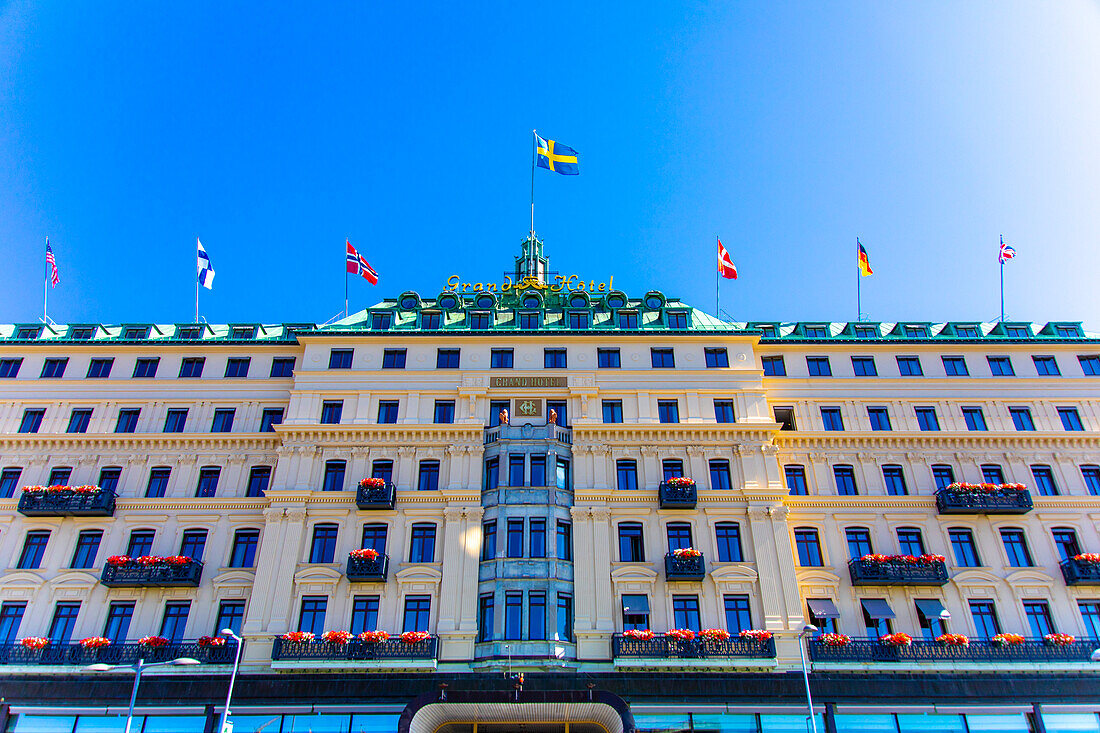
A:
503	416
552	417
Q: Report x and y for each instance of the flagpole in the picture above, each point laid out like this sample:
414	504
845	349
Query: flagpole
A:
1001	259
46	286
534	155
346	314
859	282
196	280
717	296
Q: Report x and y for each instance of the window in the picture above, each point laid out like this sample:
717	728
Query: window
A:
679	535
495	408
382	469
565	540
486	607
1064	331
916	331
118	621
1065	540
878	623
334	475
528	321
374	538
677	319
517	469
393	359
932	624
11	616
635	612
1044	480
816	332
223	420
831	418
174	622
87	547
818	366
428	480
1016	548
141	543
34	548
381	321
127	420
270	417
894	479
910	541
108	478
237	367
628	320
422	543
480	321
282	366
909	366
323	547
500	359
340	358
662	358
864	366
668	411
578	321
188	332
446	358
492	473
387	412
54	368
1070	419
1021	418
364	614
823	614
175	420
716	358
955	366
1090	474
430	321
417	611
553	358
513	545
9	480
612	411
9	368
191	367
513	615
785	417
78	421
728	535
1018	332
63	622
243	554
966	332
808	547
738	617
879	417
1090	365
962	544
943	475
992	474
974	417
81	334
158	482
631	544
672	468
926	418
1038	618
723	411
859	542
607	358
845	478
311	618
565	617
489	540
242	333
59	476
32	420
100	368
1090	614
1046	366
331	411
720	474
208	481
773	366
685	612
1000	366
796	480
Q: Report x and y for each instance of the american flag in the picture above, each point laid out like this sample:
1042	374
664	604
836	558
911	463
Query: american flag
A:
1007	252
54	278
359	266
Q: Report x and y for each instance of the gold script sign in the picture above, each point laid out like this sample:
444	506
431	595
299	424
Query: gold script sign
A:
528	407
572	284
530	382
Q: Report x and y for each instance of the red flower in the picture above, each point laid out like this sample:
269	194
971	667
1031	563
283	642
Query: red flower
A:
373	637
34	642
680	634
369	553
299	636
336	637
95	642
153	642
209	641
640	634
756	634
714	634
415	637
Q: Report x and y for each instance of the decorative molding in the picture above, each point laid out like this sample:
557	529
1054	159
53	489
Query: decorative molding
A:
967	441
666	434
99	443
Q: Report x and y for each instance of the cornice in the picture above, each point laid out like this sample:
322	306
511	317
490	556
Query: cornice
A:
825	503
690	433
139	441
790	440
452	434
648	498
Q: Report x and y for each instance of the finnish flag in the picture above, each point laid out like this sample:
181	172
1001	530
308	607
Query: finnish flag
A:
206	270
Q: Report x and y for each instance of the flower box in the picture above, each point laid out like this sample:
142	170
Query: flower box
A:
685	564
964	498
66	501
677	493
150	571
898	639
363	568
1007	640
336	637
835	639
685	644
953	639
714	634
298	636
375	493
95	642
153	642
373	637
415	637
640	634
1059	639
898	570
34	642
415	648
680	634
757	634
209	642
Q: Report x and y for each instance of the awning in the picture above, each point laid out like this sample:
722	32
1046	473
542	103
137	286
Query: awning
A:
877	608
930	608
822	608
635	604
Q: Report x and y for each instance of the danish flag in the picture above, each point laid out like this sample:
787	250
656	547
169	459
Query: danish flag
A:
359	266
726	267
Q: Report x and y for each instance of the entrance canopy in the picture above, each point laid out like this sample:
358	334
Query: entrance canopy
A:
507	712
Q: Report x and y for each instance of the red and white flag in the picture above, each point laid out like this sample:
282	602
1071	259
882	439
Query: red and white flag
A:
726	267
359	266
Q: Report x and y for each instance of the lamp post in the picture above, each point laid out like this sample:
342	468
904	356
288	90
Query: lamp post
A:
138	667
806	631
1095	656
232	678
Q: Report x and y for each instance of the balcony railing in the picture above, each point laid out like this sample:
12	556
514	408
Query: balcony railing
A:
869	572
159	575
676	497
355	649
684	568
529	432
381	497
1079	572
67	503
1003	501
660	647
364	569
927	650
126	653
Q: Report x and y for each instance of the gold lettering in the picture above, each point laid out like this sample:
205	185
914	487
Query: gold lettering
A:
611	283
569	283
452	284
559	284
477	287
592	286
491	287
466	286
506	285
602	285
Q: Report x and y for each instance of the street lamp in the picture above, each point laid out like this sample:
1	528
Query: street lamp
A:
137	668
232	678
1095	656
807	630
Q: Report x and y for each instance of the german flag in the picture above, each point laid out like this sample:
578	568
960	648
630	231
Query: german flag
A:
864	263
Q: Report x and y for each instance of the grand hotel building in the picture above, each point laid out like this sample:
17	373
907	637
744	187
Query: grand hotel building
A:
529	543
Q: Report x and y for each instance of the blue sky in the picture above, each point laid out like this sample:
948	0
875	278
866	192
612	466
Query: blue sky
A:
274	131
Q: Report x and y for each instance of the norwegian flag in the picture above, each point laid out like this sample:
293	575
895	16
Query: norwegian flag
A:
54	277
726	267
359	266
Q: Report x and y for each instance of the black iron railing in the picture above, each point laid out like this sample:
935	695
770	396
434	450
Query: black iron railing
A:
157	575
1002	501
661	647
284	650
684	568
894	572
676	497
927	650
67	503
125	653
1079	572
366	569
376	497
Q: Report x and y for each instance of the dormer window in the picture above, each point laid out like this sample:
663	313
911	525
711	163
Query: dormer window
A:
530	300
81	334
1070	332
243	333
1017	332
966	332
578	301
628	320
485	301
188	332
429	321
135	333
448	301
381	321
615	301
916	332
28	332
578	320
654	301
479	321
866	332
677	319
529	321
817	332
409	302
768	331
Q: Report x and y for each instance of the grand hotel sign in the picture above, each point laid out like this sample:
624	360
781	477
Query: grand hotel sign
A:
572	284
527	382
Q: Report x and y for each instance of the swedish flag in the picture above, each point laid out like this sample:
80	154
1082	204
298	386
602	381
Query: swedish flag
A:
556	157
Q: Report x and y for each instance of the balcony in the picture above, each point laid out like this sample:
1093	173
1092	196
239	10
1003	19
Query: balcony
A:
685	568
376	497
660	647
1081	572
153	575
897	572
927	650
126	653
676	497
368	570
390	650
528	432
67	503
964	499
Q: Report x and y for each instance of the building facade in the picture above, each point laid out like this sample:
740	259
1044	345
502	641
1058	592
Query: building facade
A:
545	476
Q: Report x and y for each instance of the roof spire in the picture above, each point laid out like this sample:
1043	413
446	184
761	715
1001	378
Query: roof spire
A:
531	262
